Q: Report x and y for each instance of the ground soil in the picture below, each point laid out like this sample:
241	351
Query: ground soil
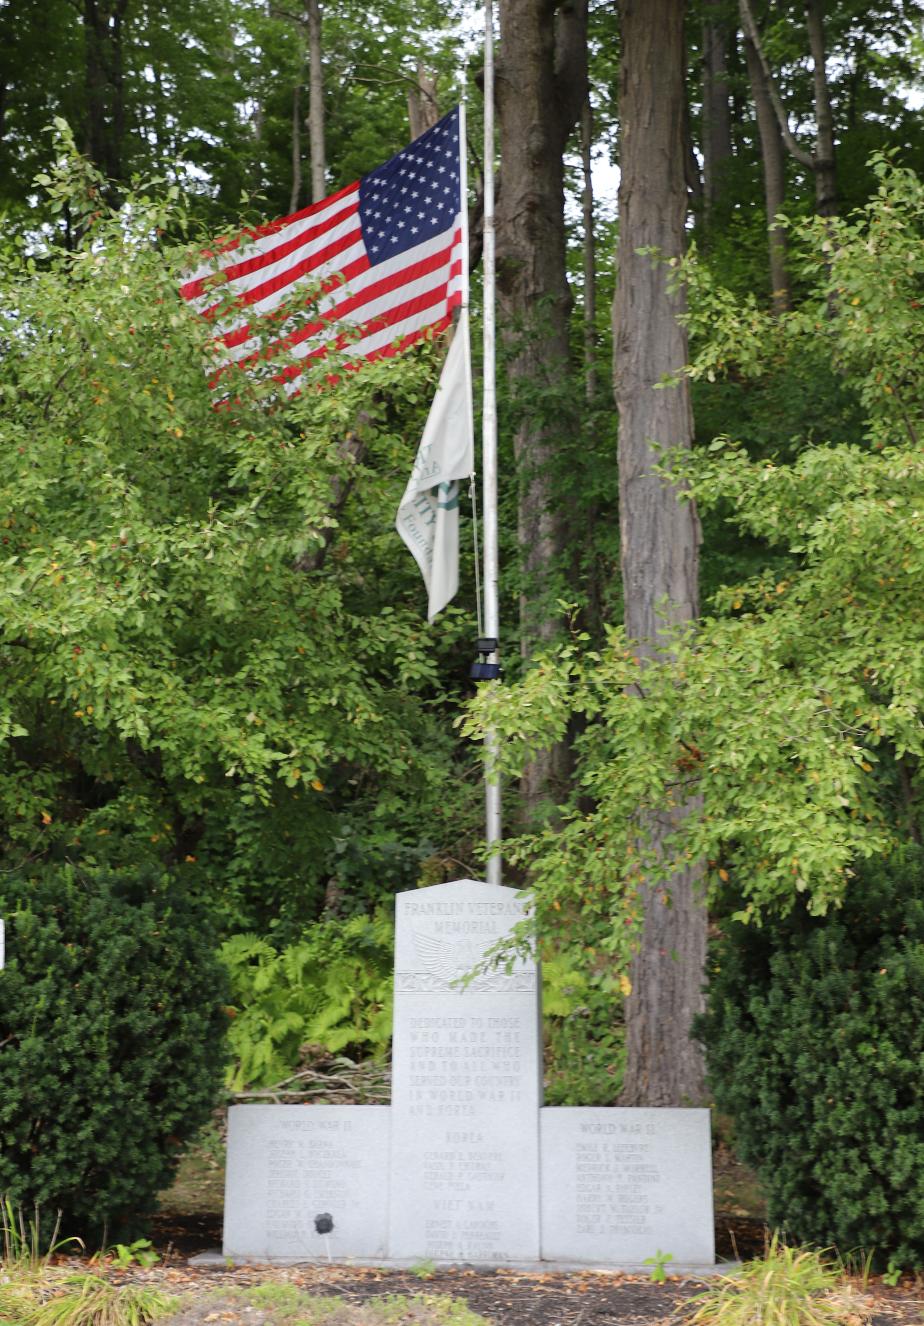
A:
506	1298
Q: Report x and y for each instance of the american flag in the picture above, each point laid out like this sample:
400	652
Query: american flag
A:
382	256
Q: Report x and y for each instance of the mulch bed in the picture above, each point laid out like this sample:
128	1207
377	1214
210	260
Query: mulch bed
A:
509	1298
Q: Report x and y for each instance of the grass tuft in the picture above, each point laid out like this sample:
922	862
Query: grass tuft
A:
82	1300
23	1251
285	1305
785	1287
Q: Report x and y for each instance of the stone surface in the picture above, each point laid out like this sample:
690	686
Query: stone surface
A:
452	1171
465	1082
288	1164
620	1185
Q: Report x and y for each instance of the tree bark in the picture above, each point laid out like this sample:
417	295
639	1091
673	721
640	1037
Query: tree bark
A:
316	141
540	87
660	535
821	160
692	173
422	105
825	176
104	83
774	170
590	252
296	148
717	136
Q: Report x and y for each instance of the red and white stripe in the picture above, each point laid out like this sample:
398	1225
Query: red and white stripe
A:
355	307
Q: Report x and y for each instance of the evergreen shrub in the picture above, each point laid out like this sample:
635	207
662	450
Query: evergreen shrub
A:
112	1030
814	1036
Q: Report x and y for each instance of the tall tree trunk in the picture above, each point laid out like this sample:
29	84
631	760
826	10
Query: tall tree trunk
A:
821	160
660	535
540	87
117	80
774	168
95	85
691	169
590	252
316	142
717	136
104	84
158	117
825	176
9	27
296	148
422	106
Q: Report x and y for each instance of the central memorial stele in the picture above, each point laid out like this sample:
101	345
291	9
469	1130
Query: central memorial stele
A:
466	1081
465	1166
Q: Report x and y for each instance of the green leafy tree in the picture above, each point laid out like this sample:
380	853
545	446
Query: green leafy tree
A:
184	680
144	87
794	709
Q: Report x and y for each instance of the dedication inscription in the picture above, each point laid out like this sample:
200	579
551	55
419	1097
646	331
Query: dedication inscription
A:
289	1164
465	1081
618	1184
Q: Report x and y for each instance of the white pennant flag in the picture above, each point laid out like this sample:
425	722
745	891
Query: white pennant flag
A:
428	517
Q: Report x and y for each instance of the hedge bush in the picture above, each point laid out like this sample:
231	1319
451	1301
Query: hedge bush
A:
112	1030
815	1043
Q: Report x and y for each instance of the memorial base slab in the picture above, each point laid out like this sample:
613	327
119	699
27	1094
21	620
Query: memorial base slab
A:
672	1270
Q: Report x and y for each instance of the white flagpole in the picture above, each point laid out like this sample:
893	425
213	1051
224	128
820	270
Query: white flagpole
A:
489	450
463	184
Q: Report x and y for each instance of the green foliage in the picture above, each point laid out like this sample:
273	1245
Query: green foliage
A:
113	1034
584	1042
859	322
180	686
178	83
205	92
659	1263
815	1040
892	1274
140	1252
794	711
786	1287
332	988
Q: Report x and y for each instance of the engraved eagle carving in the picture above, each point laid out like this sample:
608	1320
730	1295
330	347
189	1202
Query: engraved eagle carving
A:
448	959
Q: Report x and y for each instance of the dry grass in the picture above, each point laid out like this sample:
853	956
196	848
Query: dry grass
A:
785	1287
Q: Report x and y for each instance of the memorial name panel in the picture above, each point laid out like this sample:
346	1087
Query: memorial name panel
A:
465	1082
289	1164
618	1185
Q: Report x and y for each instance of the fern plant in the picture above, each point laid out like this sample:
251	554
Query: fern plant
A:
333	988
